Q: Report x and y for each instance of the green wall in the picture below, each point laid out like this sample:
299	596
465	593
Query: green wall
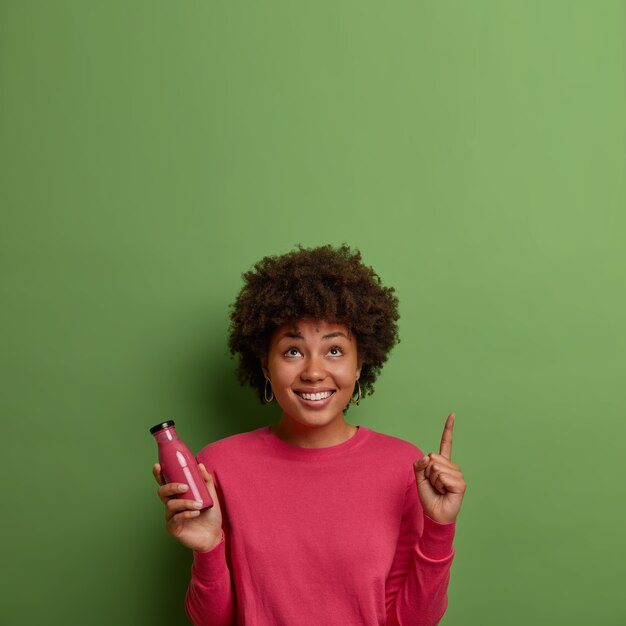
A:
475	152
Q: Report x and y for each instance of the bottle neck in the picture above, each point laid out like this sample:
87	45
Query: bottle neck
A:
165	435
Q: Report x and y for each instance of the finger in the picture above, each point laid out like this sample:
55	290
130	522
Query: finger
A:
156	472
434	469
208	480
423	467
439	486
445	449
420	466
185	515
420	479
451	484
176	505
176	523
442	460
175	512
167	491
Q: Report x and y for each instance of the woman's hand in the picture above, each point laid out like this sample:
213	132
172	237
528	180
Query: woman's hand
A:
440	484
197	530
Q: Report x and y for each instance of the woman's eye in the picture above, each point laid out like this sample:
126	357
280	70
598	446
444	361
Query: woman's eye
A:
292	352
335	351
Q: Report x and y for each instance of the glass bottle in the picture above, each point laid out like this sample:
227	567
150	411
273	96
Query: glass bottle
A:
178	464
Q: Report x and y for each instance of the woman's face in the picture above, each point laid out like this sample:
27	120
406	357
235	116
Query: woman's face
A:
313	367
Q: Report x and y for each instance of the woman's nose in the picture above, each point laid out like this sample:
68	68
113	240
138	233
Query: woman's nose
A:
313	369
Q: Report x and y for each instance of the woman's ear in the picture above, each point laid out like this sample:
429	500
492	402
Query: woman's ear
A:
266	372
359	365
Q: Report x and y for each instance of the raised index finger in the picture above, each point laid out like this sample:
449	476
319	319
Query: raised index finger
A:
445	449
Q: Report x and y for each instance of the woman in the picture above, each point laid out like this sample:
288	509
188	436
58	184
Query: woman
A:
317	521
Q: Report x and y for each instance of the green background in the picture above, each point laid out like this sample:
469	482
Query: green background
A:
475	152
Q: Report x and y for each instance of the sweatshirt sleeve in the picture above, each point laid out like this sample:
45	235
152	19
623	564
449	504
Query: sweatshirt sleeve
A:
209	599
417	586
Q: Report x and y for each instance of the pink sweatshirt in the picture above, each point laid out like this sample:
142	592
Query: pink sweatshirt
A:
320	537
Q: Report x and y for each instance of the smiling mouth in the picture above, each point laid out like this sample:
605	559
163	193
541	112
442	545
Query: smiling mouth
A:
321	395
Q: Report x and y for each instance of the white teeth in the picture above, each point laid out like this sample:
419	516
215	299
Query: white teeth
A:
317	396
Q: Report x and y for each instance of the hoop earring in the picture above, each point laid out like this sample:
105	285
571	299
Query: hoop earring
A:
358	398
268	400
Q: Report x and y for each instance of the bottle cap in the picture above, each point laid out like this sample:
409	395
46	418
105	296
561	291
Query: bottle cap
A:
161	426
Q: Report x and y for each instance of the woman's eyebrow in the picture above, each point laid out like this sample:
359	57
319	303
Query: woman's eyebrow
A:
335	334
296	335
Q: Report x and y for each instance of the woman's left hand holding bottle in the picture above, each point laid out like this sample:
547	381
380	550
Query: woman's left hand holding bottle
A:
200	531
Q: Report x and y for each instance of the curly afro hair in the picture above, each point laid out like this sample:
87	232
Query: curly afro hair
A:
323	283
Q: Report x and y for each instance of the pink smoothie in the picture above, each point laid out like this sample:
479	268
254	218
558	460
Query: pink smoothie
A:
178	464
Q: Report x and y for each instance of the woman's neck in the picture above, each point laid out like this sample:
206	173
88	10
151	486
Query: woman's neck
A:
313	437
